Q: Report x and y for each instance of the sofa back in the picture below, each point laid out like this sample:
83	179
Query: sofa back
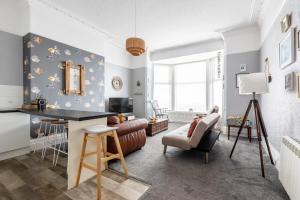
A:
205	123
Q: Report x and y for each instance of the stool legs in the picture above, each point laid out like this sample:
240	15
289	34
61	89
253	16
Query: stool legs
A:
102	156
81	158
99	151
123	163
104	146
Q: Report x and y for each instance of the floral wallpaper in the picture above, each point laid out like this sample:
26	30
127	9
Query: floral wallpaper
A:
44	75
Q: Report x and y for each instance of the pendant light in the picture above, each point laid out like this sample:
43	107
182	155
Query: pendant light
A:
134	45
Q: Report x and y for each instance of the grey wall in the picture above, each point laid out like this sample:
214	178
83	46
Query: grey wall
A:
139	93
280	108
237	104
112	70
11	56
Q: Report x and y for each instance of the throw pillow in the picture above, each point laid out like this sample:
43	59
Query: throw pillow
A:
113	120
193	125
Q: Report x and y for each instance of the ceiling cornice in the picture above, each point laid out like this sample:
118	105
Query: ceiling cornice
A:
106	35
269	12
255	10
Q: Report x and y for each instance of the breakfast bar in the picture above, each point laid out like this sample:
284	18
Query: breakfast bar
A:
77	120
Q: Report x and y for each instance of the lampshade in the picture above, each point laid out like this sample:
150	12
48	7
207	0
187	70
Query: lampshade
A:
254	82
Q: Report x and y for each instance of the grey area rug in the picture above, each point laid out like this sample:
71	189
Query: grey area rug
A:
183	175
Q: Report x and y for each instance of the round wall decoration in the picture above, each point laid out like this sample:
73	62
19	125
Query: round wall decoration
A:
117	83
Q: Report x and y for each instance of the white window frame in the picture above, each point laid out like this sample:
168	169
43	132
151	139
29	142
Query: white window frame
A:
208	91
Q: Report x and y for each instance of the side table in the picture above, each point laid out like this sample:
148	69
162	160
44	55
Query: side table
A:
249	129
156	127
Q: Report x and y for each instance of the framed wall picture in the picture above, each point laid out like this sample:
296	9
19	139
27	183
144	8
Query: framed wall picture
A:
289	81
286	22
243	67
287	49
297	75
74	79
298	40
237	79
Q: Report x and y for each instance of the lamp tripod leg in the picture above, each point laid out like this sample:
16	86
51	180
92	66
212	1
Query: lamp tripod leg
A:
264	131
258	129
241	127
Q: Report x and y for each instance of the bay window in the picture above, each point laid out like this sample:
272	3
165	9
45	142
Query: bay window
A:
191	86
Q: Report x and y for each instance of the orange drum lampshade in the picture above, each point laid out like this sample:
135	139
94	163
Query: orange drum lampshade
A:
135	46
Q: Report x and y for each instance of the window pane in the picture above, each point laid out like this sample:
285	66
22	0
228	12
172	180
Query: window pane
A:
162	93
162	74
190	96
191	72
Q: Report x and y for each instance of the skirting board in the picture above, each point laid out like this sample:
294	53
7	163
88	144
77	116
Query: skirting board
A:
14	153
275	154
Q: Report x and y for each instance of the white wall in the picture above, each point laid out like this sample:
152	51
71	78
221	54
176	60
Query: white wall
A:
61	26
197	48
14	15
244	39
22	16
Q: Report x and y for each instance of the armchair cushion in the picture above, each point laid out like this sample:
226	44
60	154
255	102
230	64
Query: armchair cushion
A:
113	120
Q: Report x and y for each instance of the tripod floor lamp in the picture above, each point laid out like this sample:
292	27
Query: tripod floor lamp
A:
252	84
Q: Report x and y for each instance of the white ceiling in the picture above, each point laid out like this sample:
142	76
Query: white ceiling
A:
164	23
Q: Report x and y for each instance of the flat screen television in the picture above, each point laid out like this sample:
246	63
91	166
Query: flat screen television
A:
121	105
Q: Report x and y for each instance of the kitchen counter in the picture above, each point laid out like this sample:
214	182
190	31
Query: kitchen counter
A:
8	110
74	115
77	121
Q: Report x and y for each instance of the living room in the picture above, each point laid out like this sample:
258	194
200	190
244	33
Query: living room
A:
144	99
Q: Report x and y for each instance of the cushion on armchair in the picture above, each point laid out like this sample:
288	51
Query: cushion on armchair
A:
113	120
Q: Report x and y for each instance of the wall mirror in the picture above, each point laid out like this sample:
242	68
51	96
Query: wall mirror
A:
74	78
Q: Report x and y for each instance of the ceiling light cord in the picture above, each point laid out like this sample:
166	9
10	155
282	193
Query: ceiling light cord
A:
135	18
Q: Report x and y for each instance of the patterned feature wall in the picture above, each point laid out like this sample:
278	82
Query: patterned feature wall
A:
44	75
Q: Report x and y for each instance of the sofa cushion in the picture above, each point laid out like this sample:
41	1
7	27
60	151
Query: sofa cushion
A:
193	125
178	138
206	123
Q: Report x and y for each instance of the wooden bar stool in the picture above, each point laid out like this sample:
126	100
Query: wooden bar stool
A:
98	134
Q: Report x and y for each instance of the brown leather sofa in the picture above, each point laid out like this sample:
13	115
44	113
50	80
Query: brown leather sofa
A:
132	135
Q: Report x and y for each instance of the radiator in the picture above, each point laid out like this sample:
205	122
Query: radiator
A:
289	169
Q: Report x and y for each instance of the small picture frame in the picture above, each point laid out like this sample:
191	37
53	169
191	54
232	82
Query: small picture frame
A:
287	49
237	79
243	67
289	81
298	40
297	75
74	78
286	23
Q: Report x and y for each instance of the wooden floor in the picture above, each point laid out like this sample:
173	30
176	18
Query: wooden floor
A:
29	177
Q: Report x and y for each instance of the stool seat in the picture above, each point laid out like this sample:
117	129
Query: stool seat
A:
99	129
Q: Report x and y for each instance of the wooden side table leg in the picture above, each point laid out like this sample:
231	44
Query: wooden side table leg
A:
250	134
228	131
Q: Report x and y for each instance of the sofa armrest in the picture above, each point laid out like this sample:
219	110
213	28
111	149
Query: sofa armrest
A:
130	126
